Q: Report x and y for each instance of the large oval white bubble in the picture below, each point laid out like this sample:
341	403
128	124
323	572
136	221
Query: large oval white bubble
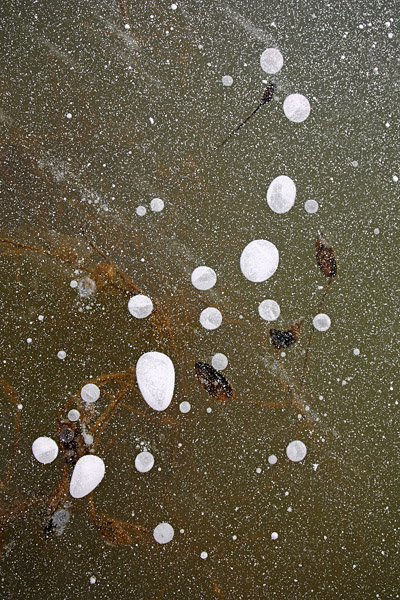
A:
296	451
259	260
211	318
90	393
45	450
86	476
271	60
269	310
321	322
296	107
155	375
144	462
281	194
204	278
163	533
140	306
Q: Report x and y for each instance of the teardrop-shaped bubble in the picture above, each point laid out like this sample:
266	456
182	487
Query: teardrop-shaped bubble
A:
155	375
281	194
86	476
259	260
45	450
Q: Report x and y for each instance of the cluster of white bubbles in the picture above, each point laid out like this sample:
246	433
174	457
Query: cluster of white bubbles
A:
156	205
281	194
321	322
269	310
140	306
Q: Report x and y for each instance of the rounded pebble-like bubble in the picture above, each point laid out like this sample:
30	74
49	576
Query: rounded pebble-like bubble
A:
90	393
219	361
141	211
259	260
204	555
210	318
61	354
74	415
227	80
269	310
281	194
86	287
356	352
144	462
86	476
184	407
272	459
311	206
45	450
296	107
155	375
163	533
321	322
271	60
140	306
157	205
296	451
274	535
204	278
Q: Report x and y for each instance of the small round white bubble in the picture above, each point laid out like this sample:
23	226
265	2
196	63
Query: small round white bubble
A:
157	205
140	306
296	107
141	211
73	283
90	393
144	462
163	533
73	415
271	60
184	407
45	450
204	555
321	322
61	354
274	535
204	278
356	352
219	361
272	459
259	260
227	80
210	318
296	451
269	310
311	206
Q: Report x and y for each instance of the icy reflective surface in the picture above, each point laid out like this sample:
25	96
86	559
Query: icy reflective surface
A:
110	190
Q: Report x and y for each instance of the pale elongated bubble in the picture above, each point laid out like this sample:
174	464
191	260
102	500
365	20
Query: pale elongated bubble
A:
86	476
155	375
281	194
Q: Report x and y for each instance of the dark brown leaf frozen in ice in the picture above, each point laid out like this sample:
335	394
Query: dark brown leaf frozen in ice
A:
326	256
284	339
213	381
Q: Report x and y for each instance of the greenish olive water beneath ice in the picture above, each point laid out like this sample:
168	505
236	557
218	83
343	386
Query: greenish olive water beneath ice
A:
98	119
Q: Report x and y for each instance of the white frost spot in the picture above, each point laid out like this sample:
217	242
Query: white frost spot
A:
144	462
269	310
296	107
90	393
259	260
184	407
311	206
227	80
204	278
86	476
45	450
157	205
210	318
296	451
271	60
73	415
281	194
155	375
219	361
163	533
140	306
321	322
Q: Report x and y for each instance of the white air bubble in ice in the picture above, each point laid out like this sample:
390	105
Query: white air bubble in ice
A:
163	533
184	407
155	376
90	393
271	60
45	450
296	107
144	462
73	415
219	361
272	459
86	476
141	211
210	318
269	310
227	80
140	306
259	260
311	206
296	451
281	194
86	287
157	205
204	278
274	535
321	322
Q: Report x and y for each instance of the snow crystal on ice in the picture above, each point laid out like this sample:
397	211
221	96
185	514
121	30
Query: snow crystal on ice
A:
155	375
140	306
90	393
321	322
296	107
45	450
281	194
296	451
259	260
219	361
271	60
163	533
269	310
204	278
211	318
86	476
144	462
